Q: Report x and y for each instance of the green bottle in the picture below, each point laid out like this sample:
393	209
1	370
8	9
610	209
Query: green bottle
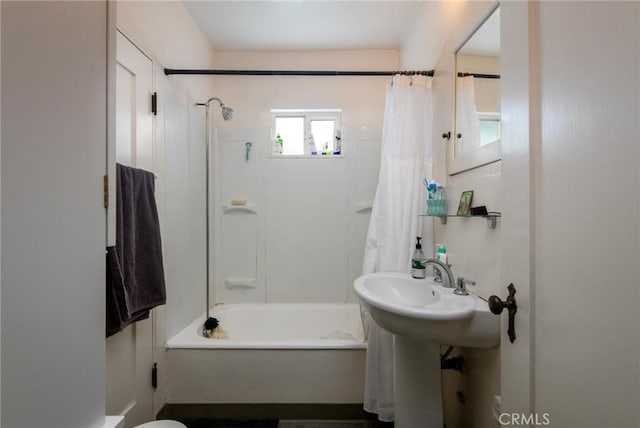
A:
277	146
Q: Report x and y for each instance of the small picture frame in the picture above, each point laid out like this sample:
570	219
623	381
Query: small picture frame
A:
465	203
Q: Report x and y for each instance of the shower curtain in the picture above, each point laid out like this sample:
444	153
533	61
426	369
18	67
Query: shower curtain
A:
400	197
467	122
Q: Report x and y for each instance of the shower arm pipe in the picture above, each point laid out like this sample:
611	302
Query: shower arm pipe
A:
480	75
206	104
170	71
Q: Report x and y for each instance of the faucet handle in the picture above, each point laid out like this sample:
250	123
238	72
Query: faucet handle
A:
461	288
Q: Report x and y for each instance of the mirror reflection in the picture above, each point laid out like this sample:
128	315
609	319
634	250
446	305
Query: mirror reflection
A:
478	88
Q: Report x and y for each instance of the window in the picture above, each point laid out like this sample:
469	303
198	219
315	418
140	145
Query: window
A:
306	133
489	127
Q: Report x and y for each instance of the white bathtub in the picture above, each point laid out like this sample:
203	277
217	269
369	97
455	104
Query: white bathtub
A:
276	353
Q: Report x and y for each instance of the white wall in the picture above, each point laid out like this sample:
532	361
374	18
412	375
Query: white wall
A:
427	34
166	32
443	27
587	238
473	249
306	207
53	219
462	237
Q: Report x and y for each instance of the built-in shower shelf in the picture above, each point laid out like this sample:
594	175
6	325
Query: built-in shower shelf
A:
364	207
240	283
492	218
251	208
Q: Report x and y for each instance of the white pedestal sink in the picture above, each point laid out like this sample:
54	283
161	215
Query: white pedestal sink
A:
423	315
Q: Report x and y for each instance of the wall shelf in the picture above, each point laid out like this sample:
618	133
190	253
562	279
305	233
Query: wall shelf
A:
492	218
364	207
240	283
252	208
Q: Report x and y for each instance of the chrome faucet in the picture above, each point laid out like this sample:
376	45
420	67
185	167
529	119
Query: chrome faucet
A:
448	281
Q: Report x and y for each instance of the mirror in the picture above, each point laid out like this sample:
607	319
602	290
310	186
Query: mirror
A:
476	140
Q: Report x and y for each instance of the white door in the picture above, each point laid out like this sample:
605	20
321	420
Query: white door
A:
516	357
130	352
571	185
516	361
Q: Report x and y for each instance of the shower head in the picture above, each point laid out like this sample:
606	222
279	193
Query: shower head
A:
227	112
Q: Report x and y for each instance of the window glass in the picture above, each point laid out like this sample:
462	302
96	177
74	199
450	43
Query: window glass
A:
489	131
291	131
323	134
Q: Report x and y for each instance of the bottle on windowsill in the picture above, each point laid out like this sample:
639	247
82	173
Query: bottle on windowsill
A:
277	145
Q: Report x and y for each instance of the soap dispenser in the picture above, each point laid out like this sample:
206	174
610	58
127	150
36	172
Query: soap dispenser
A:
417	262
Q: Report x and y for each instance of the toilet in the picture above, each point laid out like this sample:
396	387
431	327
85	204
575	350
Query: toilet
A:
164	423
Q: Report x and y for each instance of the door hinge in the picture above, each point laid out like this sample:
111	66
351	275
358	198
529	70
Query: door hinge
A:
154	103
106	191
154	376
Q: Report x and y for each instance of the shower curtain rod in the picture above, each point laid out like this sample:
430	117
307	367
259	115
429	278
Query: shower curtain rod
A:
170	71
480	75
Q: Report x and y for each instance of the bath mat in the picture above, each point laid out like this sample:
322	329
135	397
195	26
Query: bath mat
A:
230	423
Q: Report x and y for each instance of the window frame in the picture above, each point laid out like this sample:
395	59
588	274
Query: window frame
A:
309	115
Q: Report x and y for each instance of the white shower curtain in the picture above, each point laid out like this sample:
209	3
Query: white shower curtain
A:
400	197
467	122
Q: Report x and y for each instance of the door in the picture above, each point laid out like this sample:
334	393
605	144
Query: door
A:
573	140
129	358
516	361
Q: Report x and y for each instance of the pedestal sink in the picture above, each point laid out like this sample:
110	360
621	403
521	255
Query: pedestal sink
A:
422	315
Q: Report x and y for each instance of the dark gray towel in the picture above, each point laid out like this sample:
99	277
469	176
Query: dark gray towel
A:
136	264
117	315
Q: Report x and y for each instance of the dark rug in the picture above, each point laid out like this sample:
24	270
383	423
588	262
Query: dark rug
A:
230	423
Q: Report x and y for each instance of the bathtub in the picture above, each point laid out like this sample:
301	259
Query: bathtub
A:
276	353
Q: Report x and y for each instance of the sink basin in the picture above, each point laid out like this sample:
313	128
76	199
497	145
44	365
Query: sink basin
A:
423	315
421	309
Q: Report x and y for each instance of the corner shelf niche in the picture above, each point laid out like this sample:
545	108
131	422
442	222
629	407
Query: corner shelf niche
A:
492	218
251	208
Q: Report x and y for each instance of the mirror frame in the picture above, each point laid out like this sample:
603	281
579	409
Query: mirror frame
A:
481	156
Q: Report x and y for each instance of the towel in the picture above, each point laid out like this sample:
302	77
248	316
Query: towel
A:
135	272
117	314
